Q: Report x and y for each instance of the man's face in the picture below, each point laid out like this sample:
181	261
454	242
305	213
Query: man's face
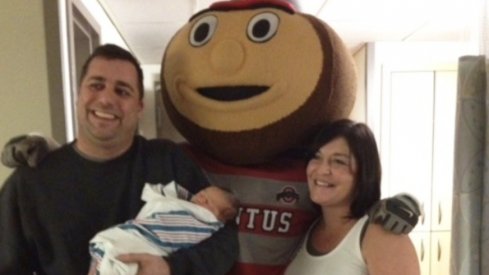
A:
109	104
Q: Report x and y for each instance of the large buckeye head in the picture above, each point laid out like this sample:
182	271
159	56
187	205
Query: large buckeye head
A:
247	80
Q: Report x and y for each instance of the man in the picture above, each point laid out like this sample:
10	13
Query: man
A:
48	214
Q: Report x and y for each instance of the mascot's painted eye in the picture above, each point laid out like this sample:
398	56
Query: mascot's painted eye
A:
203	30
263	27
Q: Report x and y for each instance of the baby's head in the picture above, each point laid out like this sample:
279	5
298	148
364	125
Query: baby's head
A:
222	203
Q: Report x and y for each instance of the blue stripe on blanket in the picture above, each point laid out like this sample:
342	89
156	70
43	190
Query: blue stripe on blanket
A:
181	214
96	252
181	233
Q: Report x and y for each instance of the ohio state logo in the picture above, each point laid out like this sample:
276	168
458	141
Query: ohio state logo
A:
288	195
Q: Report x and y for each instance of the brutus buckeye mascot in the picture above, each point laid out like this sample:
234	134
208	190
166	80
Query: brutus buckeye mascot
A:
245	82
248	83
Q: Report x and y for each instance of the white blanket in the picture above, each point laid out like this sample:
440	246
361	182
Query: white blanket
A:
164	225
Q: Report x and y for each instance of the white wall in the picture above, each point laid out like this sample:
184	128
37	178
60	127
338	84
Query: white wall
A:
359	109
25	103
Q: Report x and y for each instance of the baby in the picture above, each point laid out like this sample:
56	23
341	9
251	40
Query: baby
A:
166	223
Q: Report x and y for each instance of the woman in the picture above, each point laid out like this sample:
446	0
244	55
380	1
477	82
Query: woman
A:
344	181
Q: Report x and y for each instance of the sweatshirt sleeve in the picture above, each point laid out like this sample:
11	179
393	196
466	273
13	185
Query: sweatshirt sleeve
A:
215	255
14	251
187	173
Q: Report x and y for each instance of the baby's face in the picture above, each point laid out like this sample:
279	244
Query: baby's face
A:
213	199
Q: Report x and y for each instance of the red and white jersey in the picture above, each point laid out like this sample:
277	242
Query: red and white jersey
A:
275	210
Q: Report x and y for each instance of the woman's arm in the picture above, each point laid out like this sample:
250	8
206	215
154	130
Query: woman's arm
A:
389	254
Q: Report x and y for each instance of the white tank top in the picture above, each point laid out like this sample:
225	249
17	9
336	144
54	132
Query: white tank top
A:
345	258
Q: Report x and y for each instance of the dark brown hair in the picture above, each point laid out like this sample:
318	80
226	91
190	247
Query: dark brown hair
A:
363	146
111	51
231	212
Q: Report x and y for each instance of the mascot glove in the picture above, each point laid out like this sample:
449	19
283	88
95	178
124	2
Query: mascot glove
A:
398	214
27	150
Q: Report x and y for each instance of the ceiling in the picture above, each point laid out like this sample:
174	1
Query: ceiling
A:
148	25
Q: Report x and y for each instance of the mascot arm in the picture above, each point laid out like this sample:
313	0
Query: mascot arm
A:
398	214
27	150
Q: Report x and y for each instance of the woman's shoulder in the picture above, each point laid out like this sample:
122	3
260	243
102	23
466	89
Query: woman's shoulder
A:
377	237
389	253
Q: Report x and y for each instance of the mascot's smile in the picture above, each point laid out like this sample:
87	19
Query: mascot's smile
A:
232	93
215	99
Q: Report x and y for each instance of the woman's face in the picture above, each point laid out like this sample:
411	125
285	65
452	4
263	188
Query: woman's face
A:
331	174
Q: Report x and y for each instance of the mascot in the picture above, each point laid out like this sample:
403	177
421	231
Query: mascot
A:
248	83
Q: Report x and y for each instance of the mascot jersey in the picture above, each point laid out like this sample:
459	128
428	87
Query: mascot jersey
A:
275	210
246	81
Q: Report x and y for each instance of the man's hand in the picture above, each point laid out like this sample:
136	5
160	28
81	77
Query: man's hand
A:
398	214
147	264
27	150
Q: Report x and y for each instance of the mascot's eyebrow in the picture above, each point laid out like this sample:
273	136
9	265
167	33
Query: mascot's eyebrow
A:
247	5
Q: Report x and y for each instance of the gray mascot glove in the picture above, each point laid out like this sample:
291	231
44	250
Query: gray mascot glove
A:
27	150
398	214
